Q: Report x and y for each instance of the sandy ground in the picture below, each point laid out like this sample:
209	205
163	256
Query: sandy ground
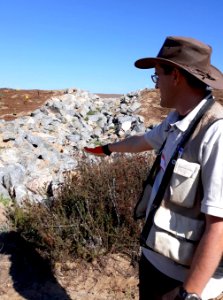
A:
25	275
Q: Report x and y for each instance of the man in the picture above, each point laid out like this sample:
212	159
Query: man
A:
182	250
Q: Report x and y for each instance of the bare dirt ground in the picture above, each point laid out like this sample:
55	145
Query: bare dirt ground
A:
24	274
15	103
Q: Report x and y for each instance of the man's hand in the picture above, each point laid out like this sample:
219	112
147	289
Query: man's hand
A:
99	151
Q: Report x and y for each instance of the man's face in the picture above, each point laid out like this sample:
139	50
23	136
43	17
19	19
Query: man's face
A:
166	86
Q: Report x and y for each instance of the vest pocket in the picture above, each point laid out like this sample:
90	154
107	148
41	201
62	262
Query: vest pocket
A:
175	236
184	183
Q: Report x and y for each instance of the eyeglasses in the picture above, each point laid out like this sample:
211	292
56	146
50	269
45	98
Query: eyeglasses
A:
155	78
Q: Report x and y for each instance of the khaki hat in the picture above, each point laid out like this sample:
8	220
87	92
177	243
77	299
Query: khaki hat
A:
188	54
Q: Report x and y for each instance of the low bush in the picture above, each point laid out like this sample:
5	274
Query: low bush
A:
92	213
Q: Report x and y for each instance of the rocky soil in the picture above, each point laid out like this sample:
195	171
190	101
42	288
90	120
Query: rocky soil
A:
23	273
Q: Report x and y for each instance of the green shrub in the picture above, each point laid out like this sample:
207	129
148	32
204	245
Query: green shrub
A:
91	214
5	201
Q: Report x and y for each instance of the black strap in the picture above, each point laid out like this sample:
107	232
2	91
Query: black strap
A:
169	170
149	180
153	171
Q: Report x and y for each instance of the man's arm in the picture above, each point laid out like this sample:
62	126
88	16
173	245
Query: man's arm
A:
207	256
210	248
133	144
206	259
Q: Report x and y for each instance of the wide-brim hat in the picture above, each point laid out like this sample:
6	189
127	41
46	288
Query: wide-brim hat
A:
188	54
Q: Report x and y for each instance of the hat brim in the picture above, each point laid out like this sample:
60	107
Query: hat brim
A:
215	80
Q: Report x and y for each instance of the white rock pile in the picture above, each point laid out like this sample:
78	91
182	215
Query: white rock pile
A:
37	150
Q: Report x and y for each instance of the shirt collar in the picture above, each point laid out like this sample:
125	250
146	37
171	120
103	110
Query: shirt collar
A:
183	124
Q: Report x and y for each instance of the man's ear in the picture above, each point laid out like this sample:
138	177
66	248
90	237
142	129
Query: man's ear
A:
177	76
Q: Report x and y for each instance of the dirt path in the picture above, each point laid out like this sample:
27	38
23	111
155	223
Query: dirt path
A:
25	275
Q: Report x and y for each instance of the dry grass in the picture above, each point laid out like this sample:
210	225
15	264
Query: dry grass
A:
92	214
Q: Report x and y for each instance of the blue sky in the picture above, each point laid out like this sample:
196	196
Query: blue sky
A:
93	44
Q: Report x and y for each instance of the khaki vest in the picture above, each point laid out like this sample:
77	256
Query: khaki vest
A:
178	223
